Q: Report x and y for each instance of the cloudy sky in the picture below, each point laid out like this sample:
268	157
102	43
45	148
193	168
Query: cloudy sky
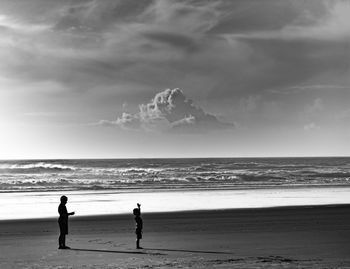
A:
166	78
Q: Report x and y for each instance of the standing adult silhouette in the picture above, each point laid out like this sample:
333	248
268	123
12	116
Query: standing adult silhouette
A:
63	222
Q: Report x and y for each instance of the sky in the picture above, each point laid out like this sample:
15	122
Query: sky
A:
174	78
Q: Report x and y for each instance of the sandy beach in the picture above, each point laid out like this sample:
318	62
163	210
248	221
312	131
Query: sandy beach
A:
286	237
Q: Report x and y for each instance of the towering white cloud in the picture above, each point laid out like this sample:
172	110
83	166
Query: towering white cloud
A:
170	110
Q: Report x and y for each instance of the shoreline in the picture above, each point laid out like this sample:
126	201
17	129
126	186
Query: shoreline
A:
198	211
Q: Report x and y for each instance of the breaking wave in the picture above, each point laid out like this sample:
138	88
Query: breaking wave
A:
37	167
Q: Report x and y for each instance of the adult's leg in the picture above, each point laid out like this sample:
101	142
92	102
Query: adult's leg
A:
62	237
62	240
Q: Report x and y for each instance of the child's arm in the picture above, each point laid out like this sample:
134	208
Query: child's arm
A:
139	206
71	213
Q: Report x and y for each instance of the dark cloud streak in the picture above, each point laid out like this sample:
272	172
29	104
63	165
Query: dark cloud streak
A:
180	41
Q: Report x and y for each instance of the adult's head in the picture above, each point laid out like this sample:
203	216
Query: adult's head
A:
64	199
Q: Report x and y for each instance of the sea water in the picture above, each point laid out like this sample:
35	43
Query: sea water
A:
31	188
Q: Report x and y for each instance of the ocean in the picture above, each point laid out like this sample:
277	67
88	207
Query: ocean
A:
113	186
202	173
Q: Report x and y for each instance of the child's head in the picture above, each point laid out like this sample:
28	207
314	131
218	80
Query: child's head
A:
136	212
64	199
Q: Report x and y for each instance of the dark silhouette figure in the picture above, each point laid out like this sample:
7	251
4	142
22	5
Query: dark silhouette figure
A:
139	225
63	222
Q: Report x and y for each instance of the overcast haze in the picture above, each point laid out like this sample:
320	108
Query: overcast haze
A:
165	78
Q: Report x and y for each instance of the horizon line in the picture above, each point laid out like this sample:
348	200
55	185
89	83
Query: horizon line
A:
158	158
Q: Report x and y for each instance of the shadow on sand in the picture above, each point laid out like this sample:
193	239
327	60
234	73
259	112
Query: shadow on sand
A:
109	251
156	249
189	251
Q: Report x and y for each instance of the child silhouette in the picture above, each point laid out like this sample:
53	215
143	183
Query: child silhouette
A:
139	225
63	222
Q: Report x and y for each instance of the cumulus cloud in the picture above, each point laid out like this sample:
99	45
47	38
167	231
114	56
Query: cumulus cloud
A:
169	110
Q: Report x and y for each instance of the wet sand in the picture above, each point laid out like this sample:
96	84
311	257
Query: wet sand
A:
286	237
